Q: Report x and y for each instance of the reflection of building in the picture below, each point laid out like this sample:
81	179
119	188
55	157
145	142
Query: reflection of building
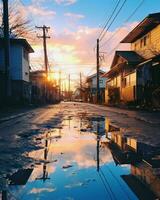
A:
19	178
144	160
149	175
43	90
134	75
144	180
19	71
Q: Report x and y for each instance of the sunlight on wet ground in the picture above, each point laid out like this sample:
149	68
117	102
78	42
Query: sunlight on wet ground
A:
74	160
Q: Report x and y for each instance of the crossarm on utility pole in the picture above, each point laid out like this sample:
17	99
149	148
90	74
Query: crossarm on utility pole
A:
44	37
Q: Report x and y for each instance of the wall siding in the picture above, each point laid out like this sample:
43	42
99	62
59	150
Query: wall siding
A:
19	65
152	47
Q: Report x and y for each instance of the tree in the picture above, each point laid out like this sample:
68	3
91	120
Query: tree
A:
20	25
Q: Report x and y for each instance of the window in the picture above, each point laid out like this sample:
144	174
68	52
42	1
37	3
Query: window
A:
118	81
135	46
145	40
130	80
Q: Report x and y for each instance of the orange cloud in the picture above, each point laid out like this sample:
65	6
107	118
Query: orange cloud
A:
75	49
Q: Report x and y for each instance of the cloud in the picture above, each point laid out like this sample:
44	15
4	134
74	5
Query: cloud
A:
40	12
73	15
40	190
36	13
66	2
73	51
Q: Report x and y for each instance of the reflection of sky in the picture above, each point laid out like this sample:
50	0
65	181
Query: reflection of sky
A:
81	180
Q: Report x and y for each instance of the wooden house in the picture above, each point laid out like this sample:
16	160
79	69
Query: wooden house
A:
134	75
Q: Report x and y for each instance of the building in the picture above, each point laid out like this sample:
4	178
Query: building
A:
134	74
19	70
92	87
43	90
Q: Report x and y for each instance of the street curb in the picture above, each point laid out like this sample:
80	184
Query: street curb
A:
124	113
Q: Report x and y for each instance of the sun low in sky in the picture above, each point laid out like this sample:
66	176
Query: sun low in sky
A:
74	27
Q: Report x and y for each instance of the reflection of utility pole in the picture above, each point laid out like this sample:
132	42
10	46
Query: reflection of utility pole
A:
45	173
98	139
60	85
80	124
80	85
98	90
4	195
69	87
7	49
4	189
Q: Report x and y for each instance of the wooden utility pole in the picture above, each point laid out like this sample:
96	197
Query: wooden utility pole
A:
7	49
44	37
80	76
98	89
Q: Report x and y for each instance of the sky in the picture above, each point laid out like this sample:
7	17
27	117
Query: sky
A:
74	27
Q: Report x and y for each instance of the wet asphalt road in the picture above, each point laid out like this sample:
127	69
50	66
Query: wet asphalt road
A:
14	133
22	135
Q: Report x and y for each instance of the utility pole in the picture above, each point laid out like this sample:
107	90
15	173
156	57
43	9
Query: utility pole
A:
7	49
44	37
59	84
98	89
69	86
80	76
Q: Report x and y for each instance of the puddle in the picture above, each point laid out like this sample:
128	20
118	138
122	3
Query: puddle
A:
85	158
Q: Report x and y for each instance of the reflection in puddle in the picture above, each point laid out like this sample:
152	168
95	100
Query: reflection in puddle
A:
86	158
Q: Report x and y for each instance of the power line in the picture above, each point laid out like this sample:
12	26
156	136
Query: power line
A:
108	184
118	183
141	3
104	184
105	25
103	35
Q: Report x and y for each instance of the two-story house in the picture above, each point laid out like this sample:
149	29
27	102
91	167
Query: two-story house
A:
134	75
92	86
19	68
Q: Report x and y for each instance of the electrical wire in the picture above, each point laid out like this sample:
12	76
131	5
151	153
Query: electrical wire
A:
119	10
108	185
113	12
121	186
105	186
115	33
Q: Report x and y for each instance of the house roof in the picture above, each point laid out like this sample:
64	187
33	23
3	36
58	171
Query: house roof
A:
37	74
21	41
130	57
95	74
149	23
